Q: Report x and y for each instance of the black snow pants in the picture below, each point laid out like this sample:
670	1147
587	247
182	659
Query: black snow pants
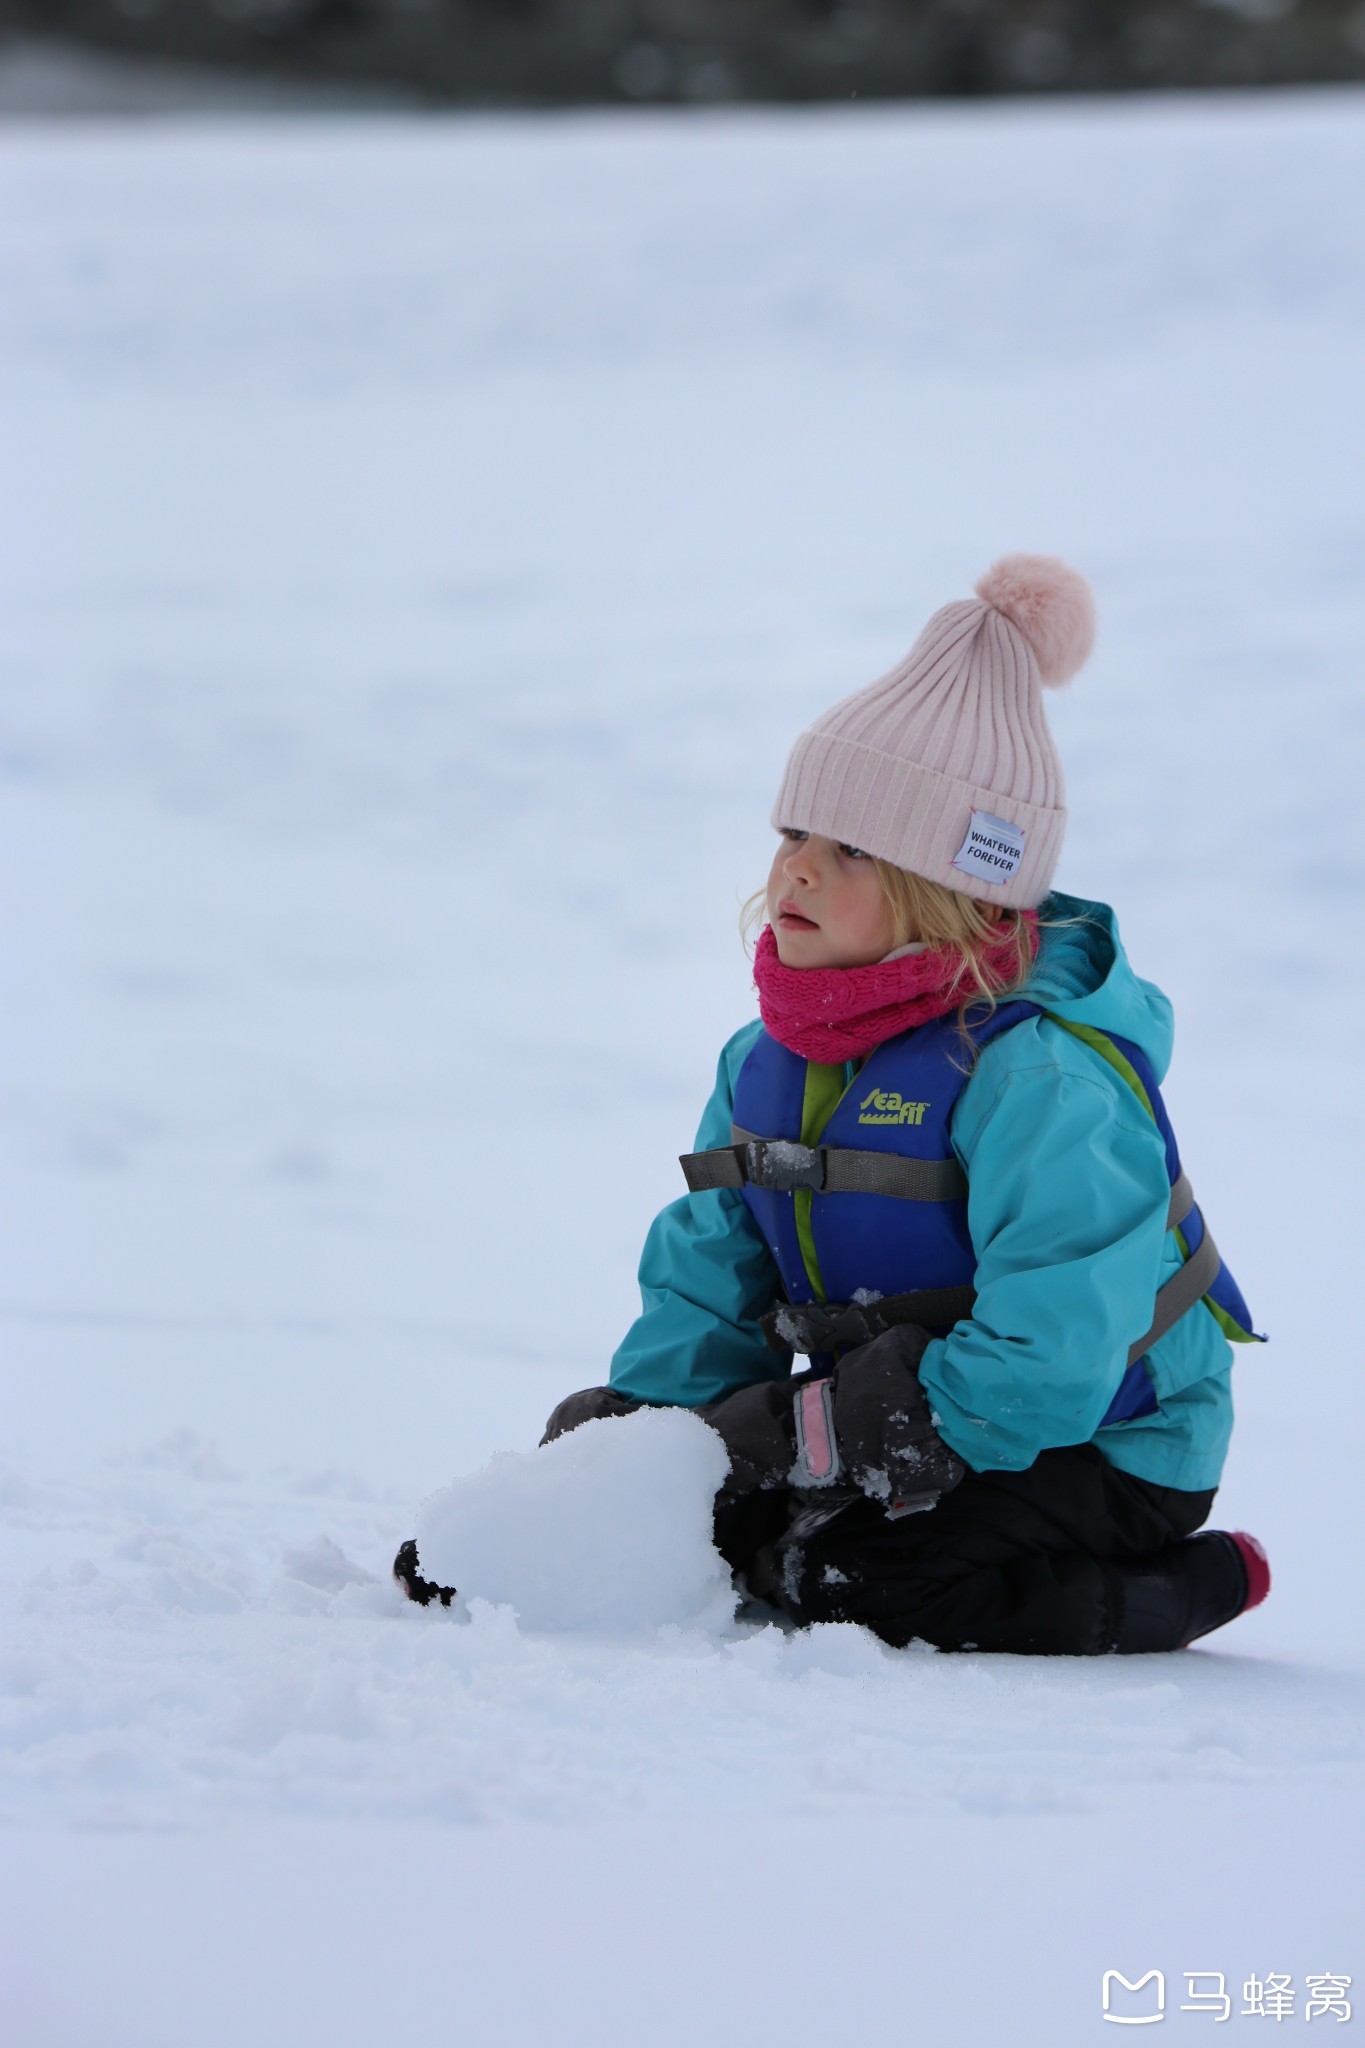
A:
1031	1561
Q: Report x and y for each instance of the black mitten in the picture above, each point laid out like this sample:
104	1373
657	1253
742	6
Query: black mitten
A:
589	1406
758	1428
868	1427
864	1429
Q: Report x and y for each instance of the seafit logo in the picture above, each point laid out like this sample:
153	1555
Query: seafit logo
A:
878	1108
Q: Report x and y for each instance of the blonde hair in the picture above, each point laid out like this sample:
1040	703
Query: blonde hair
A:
940	917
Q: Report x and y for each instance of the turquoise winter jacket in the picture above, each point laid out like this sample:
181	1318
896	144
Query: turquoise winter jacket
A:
1067	1212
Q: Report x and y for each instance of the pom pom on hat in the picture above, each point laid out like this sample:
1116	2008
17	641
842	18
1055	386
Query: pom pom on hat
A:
1051	605
952	745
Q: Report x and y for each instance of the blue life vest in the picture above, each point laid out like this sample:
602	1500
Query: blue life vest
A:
835	1246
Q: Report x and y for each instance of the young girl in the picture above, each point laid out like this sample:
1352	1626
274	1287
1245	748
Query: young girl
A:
940	1169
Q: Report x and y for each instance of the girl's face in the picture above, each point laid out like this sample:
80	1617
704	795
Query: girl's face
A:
826	905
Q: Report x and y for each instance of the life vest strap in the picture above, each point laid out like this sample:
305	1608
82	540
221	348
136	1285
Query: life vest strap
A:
783	1165
818	1328
1180	1293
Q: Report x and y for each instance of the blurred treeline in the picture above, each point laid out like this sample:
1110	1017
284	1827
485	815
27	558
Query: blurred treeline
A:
548	52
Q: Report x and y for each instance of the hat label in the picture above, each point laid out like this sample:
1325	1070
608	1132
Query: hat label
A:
992	849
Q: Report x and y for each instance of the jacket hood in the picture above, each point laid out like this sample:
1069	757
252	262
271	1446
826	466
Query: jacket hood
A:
1082	974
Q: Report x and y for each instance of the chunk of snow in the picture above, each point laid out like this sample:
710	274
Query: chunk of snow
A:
607	1528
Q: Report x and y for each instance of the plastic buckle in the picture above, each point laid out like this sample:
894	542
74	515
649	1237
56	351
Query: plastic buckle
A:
783	1165
848	1327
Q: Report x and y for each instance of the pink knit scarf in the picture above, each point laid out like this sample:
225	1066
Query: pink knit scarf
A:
839	1013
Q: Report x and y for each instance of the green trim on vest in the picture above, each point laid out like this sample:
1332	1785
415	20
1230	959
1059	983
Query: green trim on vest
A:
825	1089
1110	1053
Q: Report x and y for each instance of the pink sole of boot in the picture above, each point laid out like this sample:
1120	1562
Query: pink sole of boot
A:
1257	1567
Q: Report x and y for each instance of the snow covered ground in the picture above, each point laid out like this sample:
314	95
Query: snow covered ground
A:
422	540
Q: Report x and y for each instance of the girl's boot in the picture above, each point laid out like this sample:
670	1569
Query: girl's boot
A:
1170	1600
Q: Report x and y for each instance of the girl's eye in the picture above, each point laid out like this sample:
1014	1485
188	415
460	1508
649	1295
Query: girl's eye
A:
853	852
790	832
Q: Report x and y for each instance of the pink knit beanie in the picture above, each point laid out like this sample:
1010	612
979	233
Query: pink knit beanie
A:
946	766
